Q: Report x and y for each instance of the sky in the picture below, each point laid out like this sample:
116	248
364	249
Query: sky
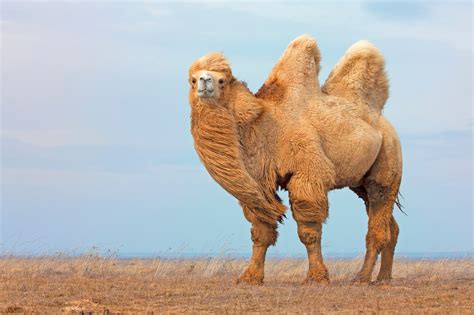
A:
96	150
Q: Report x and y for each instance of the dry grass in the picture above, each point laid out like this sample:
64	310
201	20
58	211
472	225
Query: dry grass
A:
107	284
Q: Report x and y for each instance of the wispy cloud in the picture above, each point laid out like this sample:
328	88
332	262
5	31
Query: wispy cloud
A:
399	10
436	21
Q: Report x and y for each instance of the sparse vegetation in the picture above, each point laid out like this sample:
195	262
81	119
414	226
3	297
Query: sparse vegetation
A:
110	285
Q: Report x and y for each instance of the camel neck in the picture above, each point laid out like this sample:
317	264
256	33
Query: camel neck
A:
241	93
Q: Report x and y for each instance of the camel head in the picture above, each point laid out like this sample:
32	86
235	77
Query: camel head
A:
210	78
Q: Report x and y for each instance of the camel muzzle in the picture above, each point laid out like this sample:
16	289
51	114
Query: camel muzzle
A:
205	85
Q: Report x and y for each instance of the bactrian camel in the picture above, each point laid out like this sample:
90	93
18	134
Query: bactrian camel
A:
294	134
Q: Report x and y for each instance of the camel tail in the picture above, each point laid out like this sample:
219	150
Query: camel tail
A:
360	76
399	204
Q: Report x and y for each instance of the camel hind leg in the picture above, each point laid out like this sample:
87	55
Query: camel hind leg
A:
379	236
385	273
381	186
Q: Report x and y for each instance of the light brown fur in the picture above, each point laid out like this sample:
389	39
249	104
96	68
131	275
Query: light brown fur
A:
309	140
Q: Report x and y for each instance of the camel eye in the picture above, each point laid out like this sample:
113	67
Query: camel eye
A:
193	81
221	81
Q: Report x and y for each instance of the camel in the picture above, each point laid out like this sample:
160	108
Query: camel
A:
295	135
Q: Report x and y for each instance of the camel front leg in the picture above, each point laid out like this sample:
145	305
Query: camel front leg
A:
310	210
310	236
263	235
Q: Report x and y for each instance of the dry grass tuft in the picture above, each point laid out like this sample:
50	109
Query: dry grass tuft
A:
110	285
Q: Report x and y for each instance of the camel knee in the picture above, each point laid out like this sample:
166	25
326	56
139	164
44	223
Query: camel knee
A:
383	234
263	235
309	234
394	231
309	214
378	238
309	210
383	230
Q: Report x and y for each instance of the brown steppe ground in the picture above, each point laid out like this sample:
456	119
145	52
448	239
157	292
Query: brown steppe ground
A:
109	285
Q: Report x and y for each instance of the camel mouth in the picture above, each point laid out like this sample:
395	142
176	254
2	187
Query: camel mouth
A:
206	93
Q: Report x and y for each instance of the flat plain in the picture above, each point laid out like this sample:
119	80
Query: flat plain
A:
106	285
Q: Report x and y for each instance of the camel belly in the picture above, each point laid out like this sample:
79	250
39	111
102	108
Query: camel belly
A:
353	153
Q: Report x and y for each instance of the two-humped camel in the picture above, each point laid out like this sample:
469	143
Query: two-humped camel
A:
306	139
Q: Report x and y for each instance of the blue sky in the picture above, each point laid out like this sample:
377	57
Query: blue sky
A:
96	147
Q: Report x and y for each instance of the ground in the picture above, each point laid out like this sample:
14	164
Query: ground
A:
110	285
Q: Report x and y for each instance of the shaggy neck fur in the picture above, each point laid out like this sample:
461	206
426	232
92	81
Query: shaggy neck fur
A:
216	129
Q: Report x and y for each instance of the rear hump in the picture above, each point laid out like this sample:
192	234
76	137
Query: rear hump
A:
360	76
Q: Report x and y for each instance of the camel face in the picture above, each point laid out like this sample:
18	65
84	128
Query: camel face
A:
210	78
208	85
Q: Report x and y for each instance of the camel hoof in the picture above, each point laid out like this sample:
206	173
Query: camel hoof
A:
316	280
360	280
251	277
248	280
383	281
317	276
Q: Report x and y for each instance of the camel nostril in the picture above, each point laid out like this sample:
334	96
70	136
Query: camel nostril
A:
205	78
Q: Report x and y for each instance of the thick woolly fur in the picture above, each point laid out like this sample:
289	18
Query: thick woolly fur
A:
294	134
